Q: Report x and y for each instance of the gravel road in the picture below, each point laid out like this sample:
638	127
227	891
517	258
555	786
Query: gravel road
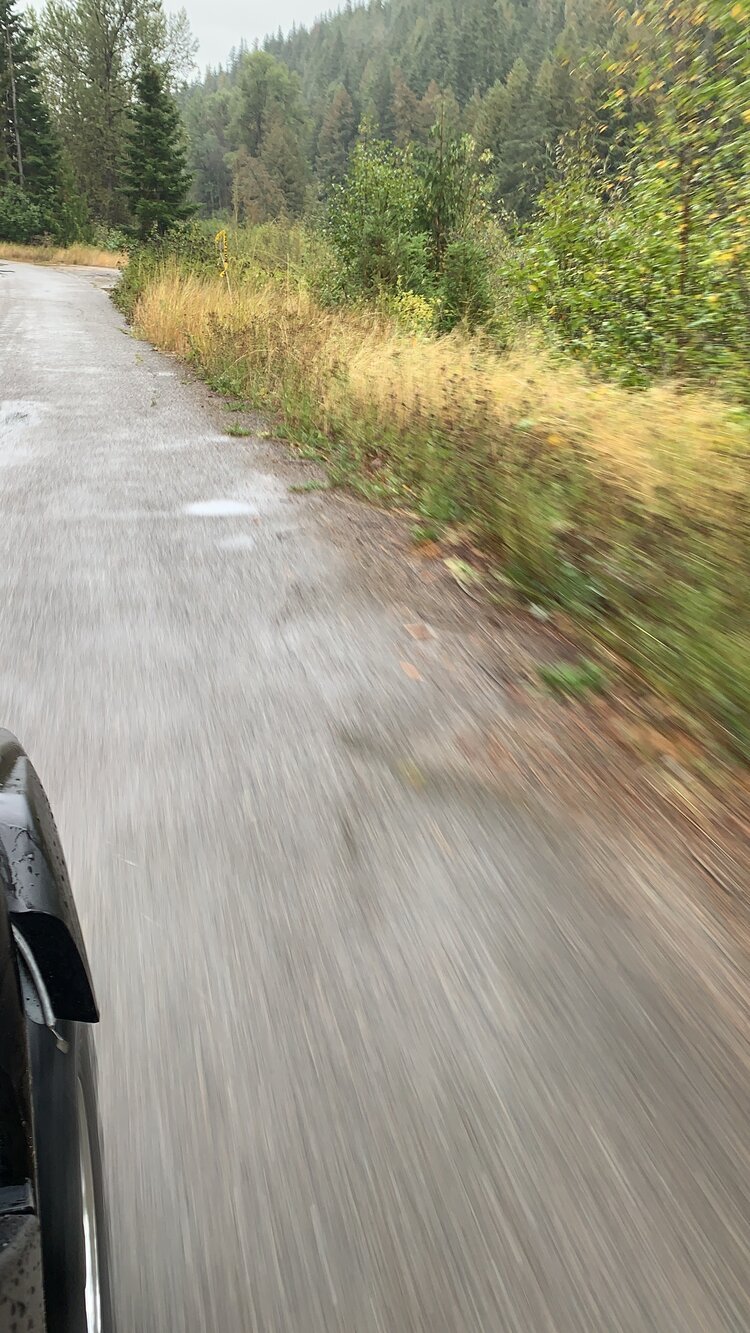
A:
381	1049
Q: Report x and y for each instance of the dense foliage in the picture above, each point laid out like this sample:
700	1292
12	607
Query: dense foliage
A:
69	87
30	168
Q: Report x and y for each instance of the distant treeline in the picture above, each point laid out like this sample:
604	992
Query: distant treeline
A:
275	127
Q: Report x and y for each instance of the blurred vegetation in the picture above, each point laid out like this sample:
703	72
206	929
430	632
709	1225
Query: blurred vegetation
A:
626	508
91	138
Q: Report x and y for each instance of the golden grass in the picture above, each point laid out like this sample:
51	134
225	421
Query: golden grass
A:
629	509
87	255
359	362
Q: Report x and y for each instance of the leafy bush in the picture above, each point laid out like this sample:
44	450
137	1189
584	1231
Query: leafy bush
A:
607	271
22	219
407	222
373	224
465	292
108	238
412	312
186	244
641	263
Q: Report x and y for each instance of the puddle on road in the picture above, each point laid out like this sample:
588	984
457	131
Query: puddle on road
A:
220	508
242	542
76	370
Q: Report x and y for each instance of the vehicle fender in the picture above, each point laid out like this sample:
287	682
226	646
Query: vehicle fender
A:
37	889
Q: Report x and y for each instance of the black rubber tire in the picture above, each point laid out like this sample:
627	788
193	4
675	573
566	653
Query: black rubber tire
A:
54	1087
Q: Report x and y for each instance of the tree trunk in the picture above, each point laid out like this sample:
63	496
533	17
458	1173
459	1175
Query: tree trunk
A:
14	105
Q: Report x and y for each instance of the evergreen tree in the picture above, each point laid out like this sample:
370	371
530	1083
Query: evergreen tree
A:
255	196
378	97
336	139
266	91
406	113
156	178
283	159
92	53
269	122
29	151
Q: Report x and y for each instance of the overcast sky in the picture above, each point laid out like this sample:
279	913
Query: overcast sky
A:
221	24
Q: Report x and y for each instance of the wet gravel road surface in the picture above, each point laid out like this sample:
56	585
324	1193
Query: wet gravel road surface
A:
381	1049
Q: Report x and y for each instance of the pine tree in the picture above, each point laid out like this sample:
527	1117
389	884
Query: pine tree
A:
405	112
282	158
378	97
336	139
156	178
29	152
255	196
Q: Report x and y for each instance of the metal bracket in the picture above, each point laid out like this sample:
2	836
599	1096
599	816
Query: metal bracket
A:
35	994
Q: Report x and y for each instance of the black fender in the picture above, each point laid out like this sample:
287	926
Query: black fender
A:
16	1164
37	890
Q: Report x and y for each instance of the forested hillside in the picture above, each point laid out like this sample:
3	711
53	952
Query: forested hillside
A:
517	74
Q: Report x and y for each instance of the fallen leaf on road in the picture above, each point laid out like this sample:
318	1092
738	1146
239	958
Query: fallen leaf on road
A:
412	774
419	630
410	671
463	573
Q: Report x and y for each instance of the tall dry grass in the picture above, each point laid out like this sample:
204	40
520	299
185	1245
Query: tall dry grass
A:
87	255
628	509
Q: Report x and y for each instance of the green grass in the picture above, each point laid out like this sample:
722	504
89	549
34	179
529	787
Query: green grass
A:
425	532
306	486
573	679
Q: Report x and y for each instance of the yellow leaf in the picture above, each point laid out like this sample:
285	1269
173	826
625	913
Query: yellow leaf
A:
712	298
746	115
554	440
738	12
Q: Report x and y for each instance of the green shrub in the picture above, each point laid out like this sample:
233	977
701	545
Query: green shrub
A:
574	679
373	225
22	219
103	237
465	293
407	222
603	273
